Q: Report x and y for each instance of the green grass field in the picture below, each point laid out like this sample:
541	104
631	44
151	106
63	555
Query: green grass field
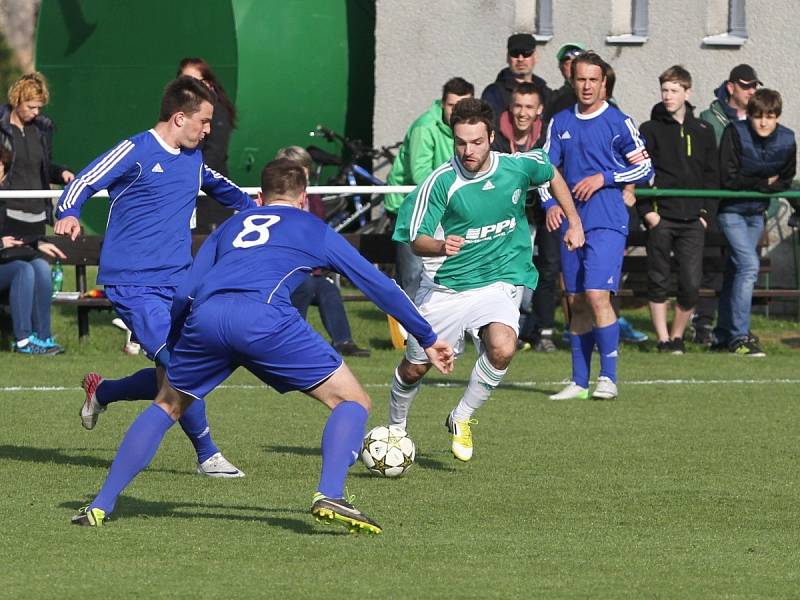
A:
685	487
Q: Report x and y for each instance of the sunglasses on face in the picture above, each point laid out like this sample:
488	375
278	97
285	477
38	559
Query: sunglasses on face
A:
520	53
747	86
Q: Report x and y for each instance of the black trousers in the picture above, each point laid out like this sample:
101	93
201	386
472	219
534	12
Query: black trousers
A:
543	304
685	240
706	308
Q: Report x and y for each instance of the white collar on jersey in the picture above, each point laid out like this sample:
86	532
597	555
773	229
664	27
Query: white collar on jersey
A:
592	115
164	144
476	176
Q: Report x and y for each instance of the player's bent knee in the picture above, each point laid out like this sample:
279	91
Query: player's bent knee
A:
173	402
411	372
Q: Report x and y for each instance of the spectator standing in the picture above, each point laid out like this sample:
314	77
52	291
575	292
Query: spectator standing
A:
684	154
729	104
26	276
210	213
318	289
428	144
28	134
563	97
520	130
521	59
757	154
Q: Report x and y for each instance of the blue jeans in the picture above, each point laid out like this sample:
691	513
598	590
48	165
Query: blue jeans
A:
318	290
741	271
29	296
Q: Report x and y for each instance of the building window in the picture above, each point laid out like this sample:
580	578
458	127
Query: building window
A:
630	23
729	17
544	20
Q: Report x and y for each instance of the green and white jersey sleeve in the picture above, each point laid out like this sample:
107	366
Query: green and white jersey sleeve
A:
487	210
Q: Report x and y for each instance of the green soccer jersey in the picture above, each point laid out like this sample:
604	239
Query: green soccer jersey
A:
487	210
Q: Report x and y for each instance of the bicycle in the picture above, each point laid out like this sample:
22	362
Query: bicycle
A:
345	210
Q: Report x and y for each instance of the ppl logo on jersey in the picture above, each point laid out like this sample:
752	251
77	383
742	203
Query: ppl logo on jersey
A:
515	196
489	232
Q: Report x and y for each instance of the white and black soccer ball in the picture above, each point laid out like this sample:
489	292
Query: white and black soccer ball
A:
388	451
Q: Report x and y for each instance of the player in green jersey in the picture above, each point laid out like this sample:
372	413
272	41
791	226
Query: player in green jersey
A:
467	221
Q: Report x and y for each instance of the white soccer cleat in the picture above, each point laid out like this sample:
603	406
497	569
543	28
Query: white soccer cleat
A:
218	466
572	392
605	390
91	409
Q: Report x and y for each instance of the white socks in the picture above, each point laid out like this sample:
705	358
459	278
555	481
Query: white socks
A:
483	379
400	399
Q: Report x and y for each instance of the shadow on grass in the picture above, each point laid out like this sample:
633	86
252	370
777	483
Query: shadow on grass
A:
380	343
296	450
462	383
130	507
63	456
791	342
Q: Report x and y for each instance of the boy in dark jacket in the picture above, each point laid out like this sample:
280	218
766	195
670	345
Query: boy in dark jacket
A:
758	154
684	154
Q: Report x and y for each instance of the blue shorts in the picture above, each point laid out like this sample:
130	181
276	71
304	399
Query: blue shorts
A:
274	343
595	266
145	310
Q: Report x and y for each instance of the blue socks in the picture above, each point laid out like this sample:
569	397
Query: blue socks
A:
582	346
137	449
195	425
341	442
142	385
608	346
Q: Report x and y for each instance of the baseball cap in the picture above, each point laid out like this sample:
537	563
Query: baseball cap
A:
744	74
569	50
521	41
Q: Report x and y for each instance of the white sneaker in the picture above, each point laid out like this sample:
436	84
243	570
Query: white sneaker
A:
572	392
605	390
218	466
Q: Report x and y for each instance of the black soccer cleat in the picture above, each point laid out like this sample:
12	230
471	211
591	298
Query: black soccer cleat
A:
337	510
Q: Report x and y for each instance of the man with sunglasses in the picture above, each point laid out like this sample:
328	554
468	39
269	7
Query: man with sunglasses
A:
521	60
730	105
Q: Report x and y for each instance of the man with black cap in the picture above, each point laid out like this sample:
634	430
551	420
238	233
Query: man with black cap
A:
729	105
521	60
731	99
563	97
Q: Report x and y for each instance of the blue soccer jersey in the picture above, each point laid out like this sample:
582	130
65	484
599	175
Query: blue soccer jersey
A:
265	253
152	192
605	141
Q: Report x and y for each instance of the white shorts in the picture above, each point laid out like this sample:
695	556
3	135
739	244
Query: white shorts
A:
452	314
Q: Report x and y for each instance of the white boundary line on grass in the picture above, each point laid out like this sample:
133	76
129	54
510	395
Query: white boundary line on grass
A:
516	384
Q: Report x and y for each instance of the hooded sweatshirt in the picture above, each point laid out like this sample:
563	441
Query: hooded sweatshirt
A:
684	156
719	113
427	145
498	94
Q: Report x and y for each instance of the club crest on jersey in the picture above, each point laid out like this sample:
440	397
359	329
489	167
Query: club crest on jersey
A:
488	232
516	195
488	185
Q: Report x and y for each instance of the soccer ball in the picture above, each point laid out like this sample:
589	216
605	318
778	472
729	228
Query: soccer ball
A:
388	451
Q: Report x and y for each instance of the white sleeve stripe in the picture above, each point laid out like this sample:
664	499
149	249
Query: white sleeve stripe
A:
217	175
637	138
537	156
99	170
633	174
421	204
546	147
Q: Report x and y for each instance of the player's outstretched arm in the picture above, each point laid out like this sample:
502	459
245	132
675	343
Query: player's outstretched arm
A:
574	236
441	356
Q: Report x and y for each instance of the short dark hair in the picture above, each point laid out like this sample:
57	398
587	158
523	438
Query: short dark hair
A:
471	111
611	81
526	87
283	177
590	57
458	86
763	102
676	74
184	94
297	154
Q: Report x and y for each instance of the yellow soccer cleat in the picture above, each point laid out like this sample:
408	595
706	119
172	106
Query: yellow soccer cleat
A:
337	510
461	437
